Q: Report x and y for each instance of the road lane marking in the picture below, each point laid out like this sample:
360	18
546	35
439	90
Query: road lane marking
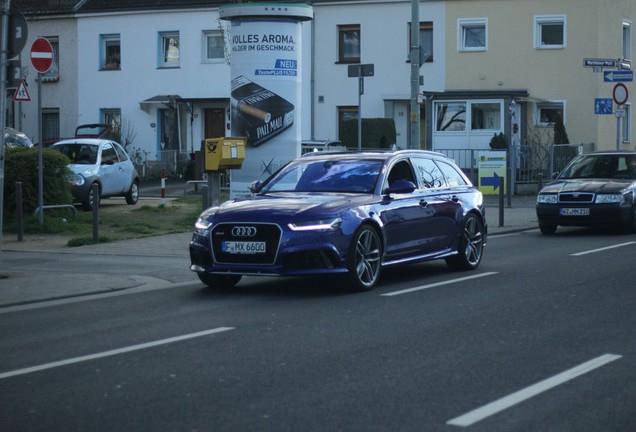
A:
112	352
540	387
602	249
433	285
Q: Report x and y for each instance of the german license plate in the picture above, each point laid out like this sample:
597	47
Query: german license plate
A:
244	247
575	212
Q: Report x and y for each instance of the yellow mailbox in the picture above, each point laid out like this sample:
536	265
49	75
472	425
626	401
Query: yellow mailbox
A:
224	153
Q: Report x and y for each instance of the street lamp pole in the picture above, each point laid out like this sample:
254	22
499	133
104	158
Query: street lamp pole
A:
415	74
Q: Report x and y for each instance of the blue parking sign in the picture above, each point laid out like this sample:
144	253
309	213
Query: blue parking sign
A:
603	106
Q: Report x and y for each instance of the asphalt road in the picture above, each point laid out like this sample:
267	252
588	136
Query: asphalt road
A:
539	338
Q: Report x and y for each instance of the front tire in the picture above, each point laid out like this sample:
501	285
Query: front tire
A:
365	260
219	281
132	196
471	245
547	229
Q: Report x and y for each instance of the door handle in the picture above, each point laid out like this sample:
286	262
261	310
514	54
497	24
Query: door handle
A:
455	198
423	203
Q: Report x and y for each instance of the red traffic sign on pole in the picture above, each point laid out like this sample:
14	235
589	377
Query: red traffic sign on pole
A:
41	55
620	94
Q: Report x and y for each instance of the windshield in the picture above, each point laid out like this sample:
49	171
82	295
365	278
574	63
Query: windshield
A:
601	166
78	153
327	176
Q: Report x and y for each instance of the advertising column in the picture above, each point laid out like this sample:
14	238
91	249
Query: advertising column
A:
266	54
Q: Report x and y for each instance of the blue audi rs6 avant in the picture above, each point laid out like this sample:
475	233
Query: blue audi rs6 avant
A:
344	214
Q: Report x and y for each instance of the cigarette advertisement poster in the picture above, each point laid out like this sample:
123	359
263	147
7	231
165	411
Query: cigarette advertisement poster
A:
265	95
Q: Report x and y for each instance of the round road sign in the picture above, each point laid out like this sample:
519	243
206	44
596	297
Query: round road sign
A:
620	94
41	55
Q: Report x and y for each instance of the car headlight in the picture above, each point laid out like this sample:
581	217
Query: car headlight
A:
546	199
203	222
608	198
78	180
323	225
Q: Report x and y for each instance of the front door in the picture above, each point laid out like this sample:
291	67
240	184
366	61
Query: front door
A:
214	121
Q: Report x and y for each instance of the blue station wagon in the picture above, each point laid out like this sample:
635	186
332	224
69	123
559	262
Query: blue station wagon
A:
344	214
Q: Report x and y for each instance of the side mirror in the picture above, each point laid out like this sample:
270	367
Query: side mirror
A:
255	186
400	187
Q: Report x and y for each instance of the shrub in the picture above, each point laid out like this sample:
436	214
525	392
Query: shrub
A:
21	165
376	133
498	142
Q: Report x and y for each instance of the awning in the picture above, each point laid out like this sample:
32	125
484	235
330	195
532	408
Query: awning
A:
159	99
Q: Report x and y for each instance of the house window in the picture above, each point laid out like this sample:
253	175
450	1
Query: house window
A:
626	124
169	49
213	47
53	74
627	45
426	42
349	43
472	34
547	113
450	116
112	116
110	52
485	116
346	113
550	31
50	124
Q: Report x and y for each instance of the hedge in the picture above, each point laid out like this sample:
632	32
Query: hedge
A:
21	165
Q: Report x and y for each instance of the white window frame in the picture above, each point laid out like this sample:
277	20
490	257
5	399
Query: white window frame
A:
104	40
465	24
539	106
164	40
627	45
207	38
540	21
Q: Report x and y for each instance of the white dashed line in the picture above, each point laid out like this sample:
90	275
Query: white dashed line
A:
602	249
540	387
433	285
112	352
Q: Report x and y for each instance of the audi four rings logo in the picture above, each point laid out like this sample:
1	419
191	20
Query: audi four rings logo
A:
244	231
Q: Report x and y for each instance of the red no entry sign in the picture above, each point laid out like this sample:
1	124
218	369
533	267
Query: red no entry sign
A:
41	55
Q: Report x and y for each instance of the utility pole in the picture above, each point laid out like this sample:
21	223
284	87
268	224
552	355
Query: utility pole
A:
415	74
4	47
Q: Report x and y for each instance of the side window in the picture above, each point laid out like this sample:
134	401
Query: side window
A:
453	177
428	174
108	154
401	171
121	153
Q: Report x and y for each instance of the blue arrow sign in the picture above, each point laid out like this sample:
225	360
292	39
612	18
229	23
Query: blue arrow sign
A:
618	76
491	181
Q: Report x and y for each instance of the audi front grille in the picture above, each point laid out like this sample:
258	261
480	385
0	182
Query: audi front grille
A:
245	243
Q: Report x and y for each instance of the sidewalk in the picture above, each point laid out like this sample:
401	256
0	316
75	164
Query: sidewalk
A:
21	281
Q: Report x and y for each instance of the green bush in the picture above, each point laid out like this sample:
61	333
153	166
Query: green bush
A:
21	165
376	133
498	142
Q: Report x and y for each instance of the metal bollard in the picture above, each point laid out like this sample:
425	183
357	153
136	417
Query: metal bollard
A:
502	184
95	192
19	211
539	181
205	198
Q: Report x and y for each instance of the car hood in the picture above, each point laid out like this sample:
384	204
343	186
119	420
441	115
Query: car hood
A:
285	205
593	186
85	170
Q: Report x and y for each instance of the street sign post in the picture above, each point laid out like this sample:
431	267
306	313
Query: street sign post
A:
360	71
21	93
41	55
42	60
620	95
